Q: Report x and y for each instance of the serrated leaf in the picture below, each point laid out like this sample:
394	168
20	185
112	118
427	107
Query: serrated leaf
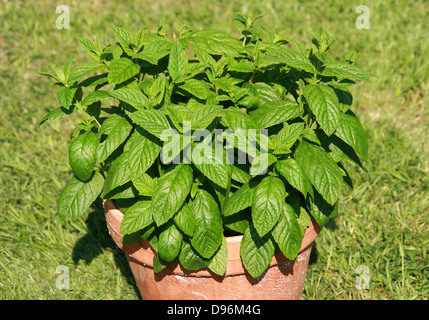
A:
321	210
288	135
171	192
89	46
85	69
119	174
126	191
275	112
267	204
125	39
291	58
234	120
350	131
219	262
137	217
121	70
210	164
144	183
153	121
239	200
345	71
148	56
202	117
185	220
294	174
323	102
320	169
57	113
170	242
216	42
177	63
208	231
82	155
287	233
143	149
256	251
134	97
226	84
117	128
77	196
197	88
242	66
94	96
190	259
66	95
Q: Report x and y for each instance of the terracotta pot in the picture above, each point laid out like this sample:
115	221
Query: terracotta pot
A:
283	280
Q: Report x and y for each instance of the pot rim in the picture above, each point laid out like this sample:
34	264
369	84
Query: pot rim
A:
143	253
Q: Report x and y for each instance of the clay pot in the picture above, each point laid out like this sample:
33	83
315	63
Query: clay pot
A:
283	280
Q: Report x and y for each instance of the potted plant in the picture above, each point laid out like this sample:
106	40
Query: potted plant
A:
218	158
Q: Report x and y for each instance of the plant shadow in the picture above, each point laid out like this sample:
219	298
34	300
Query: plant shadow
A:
91	245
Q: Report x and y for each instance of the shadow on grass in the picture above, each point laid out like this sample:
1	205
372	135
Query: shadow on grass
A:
96	240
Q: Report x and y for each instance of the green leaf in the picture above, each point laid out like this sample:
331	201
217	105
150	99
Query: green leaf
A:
202	117
291	58
350	131
153	121
57	113
226	84
293	173
137	217
89	46
82	155
66	95
177	63
320	169
210	164
219	262
321	210
345	71
143	149
94	96
267	204
256	251
275	112
234	120
119	174
197	88
125	39
216	42
287	233
116	128
208	231
170	242
190	259
121	70
134	97
148	56
288	135
239	200
323	102
185	220
85	69
171	192
144	183
78	196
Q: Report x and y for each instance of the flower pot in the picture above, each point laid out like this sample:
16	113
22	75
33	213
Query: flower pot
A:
283	280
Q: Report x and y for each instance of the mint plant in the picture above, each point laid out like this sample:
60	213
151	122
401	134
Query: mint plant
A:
151	110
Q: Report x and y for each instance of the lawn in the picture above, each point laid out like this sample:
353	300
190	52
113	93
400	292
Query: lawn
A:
383	223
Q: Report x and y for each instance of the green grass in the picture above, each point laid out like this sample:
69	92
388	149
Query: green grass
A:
383	221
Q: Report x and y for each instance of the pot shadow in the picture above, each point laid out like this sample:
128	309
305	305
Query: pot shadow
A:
91	245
